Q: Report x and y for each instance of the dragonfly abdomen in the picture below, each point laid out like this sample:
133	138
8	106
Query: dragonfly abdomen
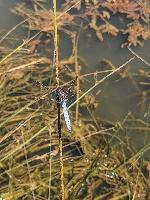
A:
66	115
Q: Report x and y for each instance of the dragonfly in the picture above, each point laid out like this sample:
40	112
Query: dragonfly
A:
62	97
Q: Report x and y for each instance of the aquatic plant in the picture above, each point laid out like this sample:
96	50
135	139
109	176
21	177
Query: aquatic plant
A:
100	162
132	18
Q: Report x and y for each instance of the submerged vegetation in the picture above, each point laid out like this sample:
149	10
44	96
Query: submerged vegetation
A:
100	160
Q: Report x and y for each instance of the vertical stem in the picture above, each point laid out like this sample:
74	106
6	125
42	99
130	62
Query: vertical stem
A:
56	65
60	154
56	44
77	69
61	170
59	122
50	164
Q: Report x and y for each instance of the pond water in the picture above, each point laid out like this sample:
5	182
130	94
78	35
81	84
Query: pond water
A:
117	97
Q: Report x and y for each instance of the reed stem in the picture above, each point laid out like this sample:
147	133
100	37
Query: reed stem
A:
56	65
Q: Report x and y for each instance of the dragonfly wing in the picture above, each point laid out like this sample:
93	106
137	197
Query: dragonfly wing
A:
66	115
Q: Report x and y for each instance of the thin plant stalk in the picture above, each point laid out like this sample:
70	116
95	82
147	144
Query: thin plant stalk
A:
56	66
77	70
50	164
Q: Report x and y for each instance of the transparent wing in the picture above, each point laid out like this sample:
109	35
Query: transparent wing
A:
66	115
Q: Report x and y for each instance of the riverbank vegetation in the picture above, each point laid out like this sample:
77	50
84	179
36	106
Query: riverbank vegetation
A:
100	160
